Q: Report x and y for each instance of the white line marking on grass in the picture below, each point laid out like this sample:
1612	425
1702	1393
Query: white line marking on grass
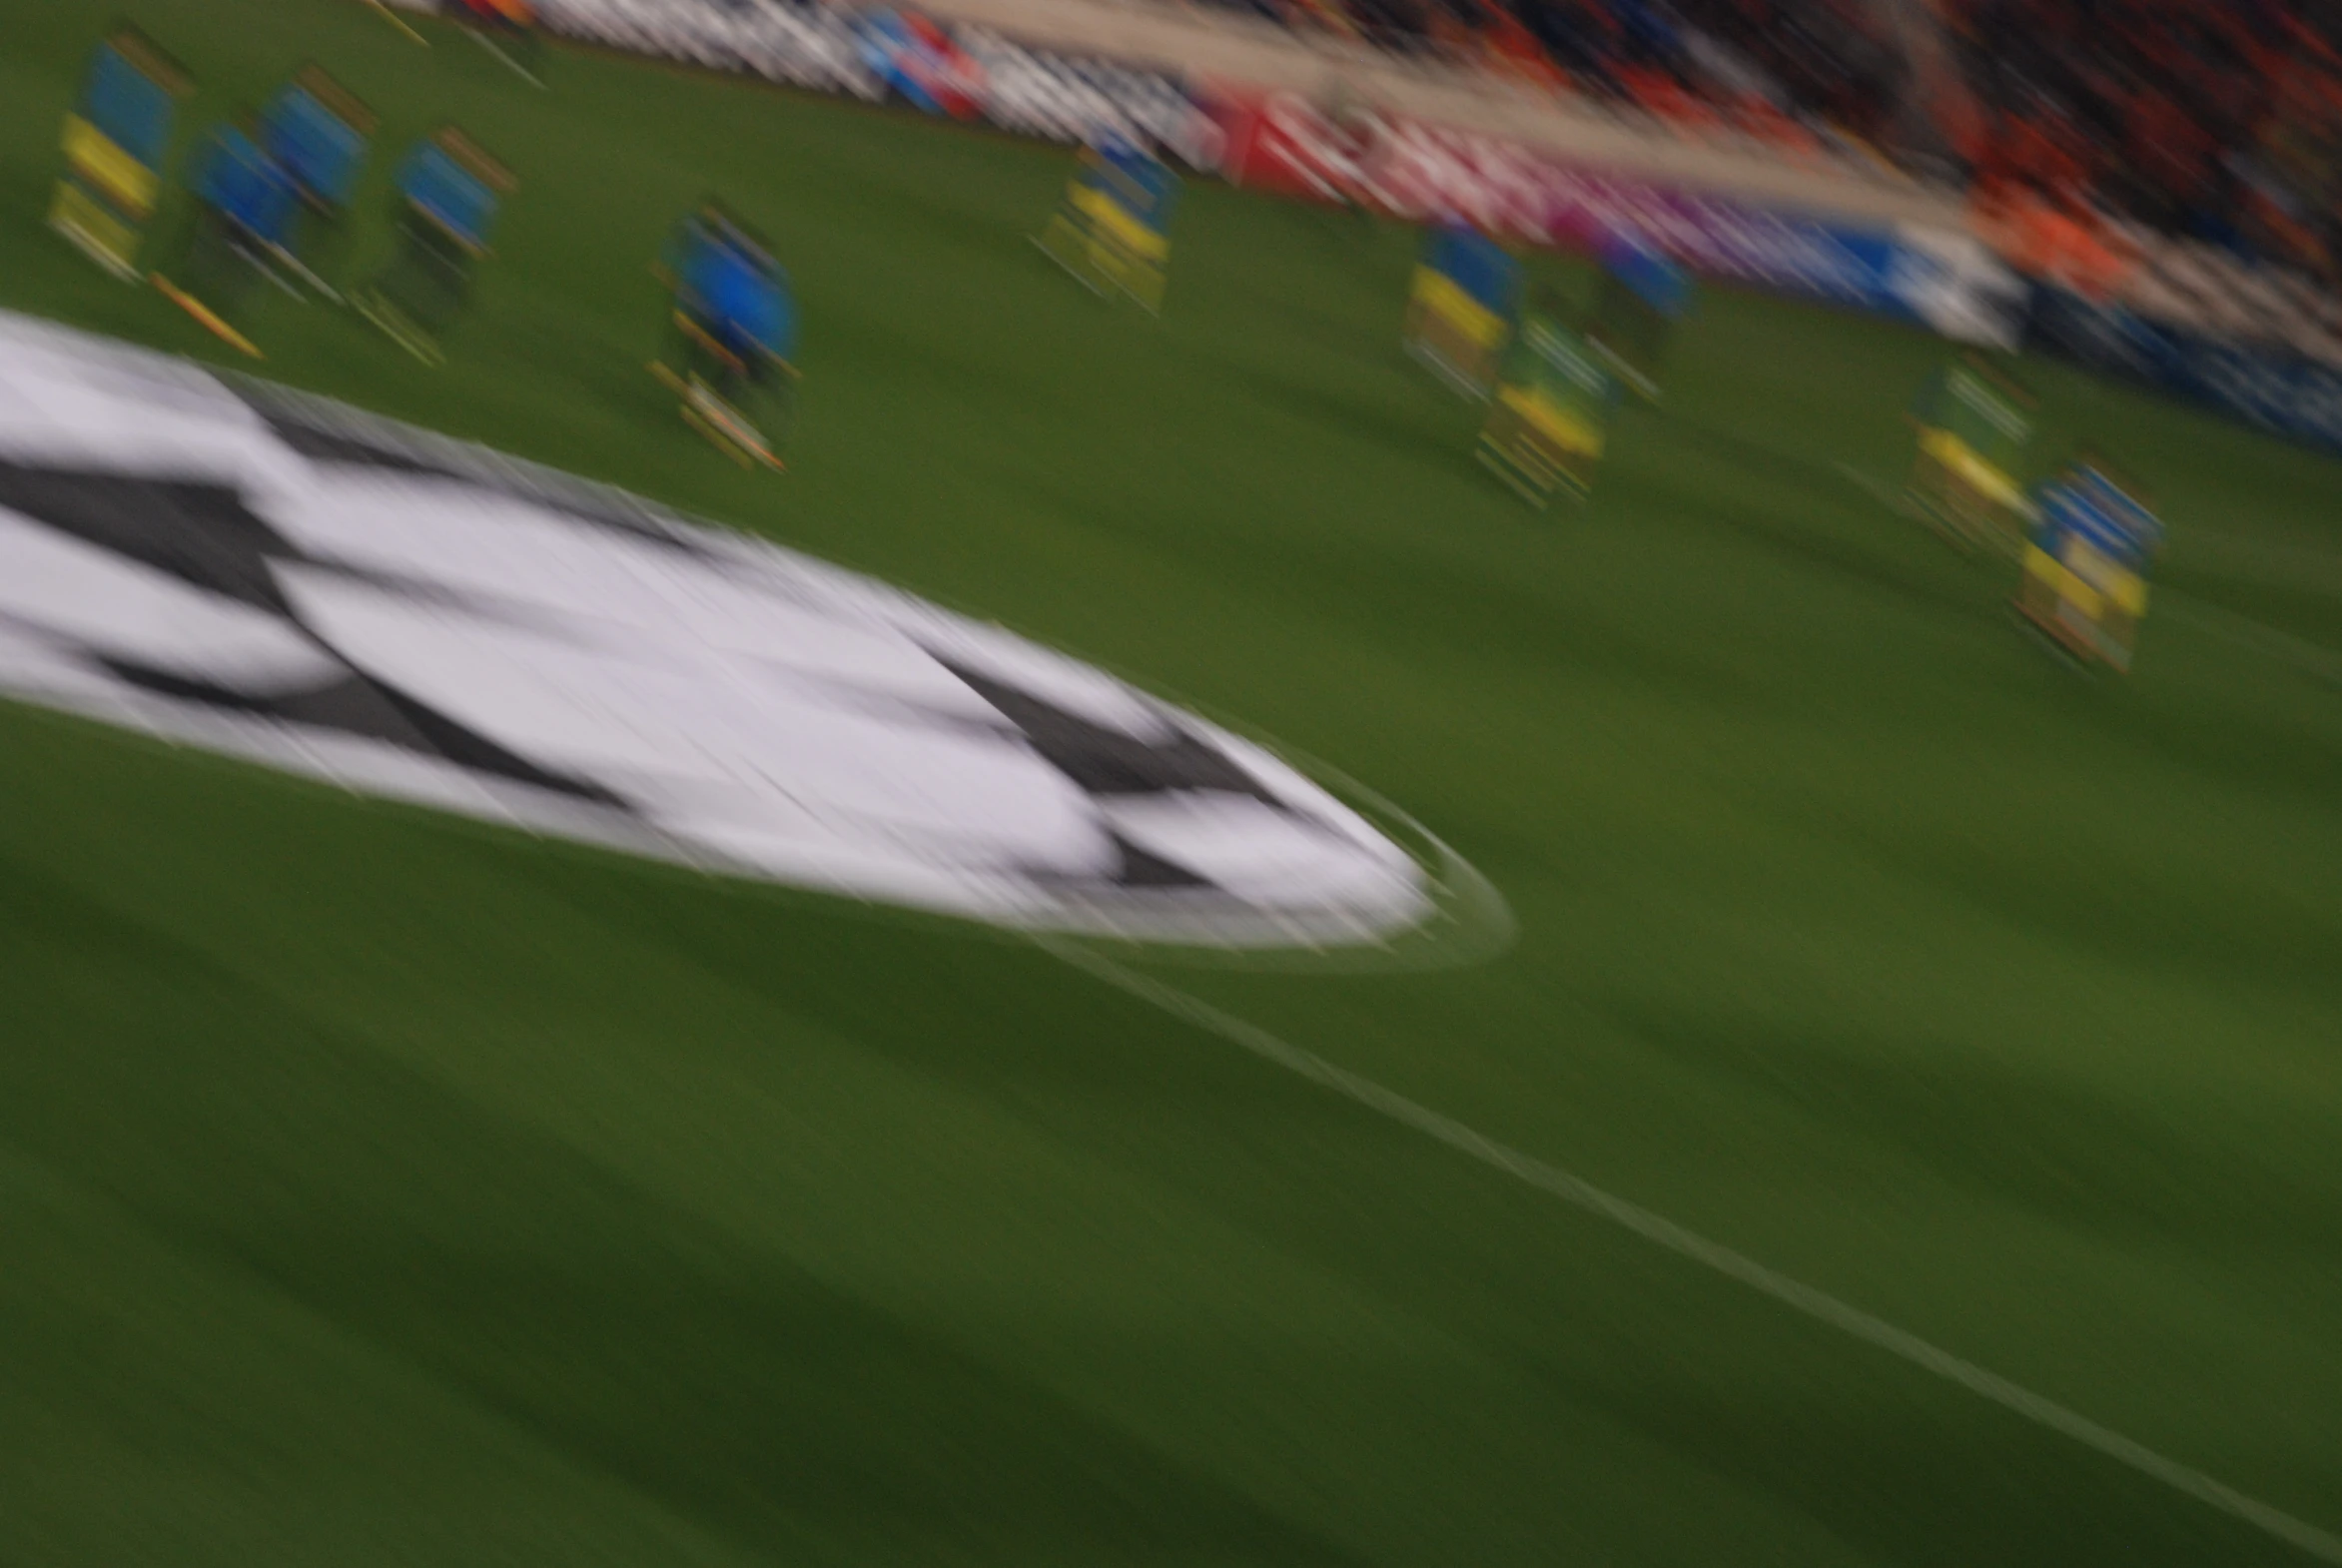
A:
492	47
1884	494
1817	1305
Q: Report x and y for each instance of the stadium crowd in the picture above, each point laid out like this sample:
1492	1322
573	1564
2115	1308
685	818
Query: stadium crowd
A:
1792	72
2078	124
2212	119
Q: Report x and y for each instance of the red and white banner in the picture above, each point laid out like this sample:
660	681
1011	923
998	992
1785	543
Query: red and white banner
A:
1282	141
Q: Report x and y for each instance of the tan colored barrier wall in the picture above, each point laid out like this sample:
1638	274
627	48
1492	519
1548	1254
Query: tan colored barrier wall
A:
1213	44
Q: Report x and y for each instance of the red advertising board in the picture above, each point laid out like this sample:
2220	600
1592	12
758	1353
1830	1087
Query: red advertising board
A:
1280	142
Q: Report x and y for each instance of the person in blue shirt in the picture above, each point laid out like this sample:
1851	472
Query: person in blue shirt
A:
236	228
734	303
739	299
448	194
735	329
246	189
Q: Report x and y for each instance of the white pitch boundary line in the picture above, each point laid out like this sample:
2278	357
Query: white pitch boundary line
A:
1884	494
492	47
1665	1233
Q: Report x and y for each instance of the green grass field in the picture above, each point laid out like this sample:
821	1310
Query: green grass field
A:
376	1188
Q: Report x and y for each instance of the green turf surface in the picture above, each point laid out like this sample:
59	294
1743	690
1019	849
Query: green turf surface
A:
380	1188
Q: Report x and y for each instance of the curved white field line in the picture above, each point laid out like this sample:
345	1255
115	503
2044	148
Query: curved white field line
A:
1814	1304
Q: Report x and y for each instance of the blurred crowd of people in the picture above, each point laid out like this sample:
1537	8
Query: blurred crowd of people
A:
2079	125
1795	72
2216	120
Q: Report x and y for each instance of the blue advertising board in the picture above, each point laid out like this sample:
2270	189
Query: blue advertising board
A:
2270	388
